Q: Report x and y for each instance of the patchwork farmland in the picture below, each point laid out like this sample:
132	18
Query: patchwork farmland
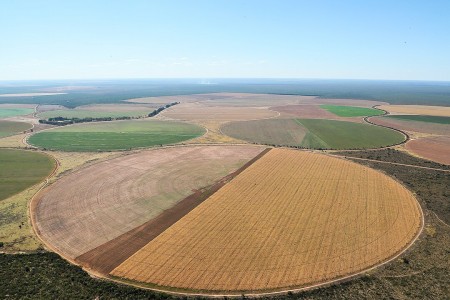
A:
313	133
310	219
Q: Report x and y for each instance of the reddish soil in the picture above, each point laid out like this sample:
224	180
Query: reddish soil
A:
309	111
412	126
435	148
109	255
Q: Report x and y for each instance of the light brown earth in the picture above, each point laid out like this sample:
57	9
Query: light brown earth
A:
412	126
308	111
292	219
10	105
435	148
96	204
199	112
417	110
119	107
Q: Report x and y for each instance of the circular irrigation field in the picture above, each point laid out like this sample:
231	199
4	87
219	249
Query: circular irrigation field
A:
287	220
313	133
116	135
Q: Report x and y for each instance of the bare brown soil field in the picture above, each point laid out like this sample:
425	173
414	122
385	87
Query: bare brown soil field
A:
118	107
48	107
435	148
417	110
108	256
412	126
199	112
292	219
96	204
309	111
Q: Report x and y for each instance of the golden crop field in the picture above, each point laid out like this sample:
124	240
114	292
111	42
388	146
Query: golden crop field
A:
417	110
292	219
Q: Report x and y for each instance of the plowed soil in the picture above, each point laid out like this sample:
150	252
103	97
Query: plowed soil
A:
435	148
96	204
291	219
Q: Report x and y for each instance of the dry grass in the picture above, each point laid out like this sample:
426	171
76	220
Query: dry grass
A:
417	110
15	141
291	219
96	204
414	127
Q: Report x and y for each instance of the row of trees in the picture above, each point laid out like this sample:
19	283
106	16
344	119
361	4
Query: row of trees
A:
160	109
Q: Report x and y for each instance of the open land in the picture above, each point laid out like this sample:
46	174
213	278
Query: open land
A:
11	112
100	111
420	273
21	169
420	118
127	192
292	227
313	133
30	94
352	111
310	111
417	110
117	135
412	126
435	148
199	112
8	128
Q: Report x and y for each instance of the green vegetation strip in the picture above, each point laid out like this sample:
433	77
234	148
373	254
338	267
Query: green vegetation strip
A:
8	128
352	111
421	118
118	135
21	169
11	112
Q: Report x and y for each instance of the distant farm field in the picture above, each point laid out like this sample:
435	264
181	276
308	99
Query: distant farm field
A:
101	111
352	111
435	148
412	126
118	135
21	169
418	110
421	118
292	219
313	133
8	128
11	112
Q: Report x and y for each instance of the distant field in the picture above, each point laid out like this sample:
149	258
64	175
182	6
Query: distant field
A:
11	112
417	110
79	113
118	135
435	148
420	118
8	128
412	126
292	219
352	111
21	169
313	133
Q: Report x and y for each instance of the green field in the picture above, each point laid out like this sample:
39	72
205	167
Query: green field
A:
117	135
21	169
420	118
81	113
8	128
313	133
11	112
352	111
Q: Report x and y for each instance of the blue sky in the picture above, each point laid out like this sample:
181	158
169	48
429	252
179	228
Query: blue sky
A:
407	40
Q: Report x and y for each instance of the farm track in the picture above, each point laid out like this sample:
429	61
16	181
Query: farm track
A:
108	256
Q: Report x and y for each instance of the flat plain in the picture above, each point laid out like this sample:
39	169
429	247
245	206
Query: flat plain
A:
417	110
96	204
8	128
117	135
11	112
101	111
21	169
291	219
313	133
351	111
421	118
435	148
412	126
